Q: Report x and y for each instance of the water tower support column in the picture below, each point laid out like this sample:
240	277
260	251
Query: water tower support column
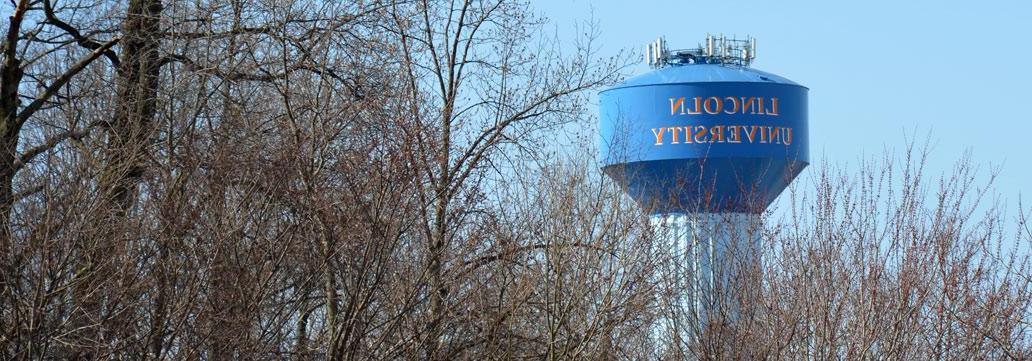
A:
717	253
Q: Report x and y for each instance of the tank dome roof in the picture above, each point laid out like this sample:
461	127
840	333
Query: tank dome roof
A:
702	73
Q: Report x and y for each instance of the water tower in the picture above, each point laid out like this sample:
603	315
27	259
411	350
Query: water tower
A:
705	143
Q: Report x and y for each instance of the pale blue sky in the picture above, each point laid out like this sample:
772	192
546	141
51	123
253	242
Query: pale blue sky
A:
957	70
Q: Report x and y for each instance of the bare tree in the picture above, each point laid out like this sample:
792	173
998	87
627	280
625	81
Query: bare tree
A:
879	262
476	87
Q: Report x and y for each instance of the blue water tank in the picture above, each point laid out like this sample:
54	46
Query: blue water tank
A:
704	137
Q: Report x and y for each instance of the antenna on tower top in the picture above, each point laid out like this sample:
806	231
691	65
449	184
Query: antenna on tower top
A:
717	50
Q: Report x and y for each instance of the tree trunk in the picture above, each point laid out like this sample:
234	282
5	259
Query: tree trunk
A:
128	132
136	100
10	79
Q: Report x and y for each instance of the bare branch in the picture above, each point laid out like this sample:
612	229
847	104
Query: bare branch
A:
51	142
63	79
83	41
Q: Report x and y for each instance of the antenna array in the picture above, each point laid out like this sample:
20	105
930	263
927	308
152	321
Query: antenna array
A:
716	50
